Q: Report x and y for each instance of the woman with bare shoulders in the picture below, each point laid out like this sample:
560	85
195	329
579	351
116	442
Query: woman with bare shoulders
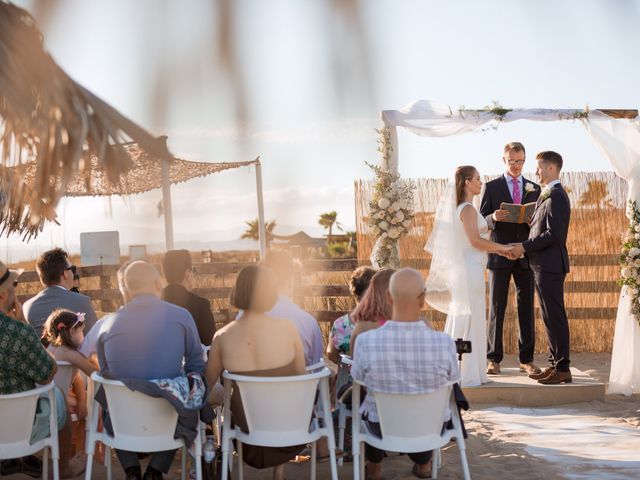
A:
257	345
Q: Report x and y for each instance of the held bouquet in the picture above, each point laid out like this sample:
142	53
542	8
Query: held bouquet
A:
630	259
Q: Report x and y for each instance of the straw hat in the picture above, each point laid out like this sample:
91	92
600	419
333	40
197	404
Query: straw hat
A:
7	277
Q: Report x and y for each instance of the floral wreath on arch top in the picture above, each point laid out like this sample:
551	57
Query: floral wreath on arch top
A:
391	208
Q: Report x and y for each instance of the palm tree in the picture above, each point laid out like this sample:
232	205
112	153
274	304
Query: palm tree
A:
596	195
252	232
328	220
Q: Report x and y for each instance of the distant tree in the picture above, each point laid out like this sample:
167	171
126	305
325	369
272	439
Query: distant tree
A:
328	221
596	195
252	232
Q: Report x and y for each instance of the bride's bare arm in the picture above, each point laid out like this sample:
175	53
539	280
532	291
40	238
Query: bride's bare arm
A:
469	217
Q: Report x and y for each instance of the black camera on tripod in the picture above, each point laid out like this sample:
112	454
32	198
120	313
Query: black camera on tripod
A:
462	346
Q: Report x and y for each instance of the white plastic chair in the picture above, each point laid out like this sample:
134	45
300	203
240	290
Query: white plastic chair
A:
140	424
344	411
279	411
409	423
315	367
17	411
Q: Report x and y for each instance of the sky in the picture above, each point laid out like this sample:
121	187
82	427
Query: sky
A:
315	85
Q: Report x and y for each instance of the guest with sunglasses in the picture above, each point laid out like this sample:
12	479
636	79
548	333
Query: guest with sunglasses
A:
56	276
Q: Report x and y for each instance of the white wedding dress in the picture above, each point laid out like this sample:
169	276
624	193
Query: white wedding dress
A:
473	325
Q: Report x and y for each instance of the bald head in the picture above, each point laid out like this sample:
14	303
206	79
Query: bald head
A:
141	277
406	288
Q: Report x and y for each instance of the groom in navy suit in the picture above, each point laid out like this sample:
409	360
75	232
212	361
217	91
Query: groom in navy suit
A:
546	249
511	187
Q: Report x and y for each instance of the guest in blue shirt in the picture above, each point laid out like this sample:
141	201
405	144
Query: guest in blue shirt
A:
148	339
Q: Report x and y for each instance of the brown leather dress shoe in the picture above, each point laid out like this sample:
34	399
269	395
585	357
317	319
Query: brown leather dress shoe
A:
556	377
545	373
493	368
529	368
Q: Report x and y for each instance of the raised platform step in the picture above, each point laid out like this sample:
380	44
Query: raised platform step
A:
514	388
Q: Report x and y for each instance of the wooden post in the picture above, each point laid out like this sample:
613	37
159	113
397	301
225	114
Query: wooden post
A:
262	234
105	284
166	202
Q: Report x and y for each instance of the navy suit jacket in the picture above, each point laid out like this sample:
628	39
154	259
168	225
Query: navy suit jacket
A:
546	247
497	191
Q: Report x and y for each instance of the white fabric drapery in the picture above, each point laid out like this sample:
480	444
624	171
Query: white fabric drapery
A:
618	139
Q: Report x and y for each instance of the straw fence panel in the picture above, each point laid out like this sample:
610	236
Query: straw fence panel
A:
597	222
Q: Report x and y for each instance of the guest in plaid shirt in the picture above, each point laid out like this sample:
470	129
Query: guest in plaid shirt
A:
404	356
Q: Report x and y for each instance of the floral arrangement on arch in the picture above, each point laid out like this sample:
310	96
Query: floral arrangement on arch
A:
630	259
390	209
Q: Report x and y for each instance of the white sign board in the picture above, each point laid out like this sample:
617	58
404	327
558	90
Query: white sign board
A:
100	248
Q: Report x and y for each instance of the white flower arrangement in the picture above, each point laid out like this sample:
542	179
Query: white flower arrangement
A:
529	188
630	259
390	209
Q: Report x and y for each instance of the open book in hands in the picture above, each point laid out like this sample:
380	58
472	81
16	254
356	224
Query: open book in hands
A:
518	213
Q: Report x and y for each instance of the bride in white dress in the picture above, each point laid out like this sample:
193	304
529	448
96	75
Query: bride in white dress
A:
456	285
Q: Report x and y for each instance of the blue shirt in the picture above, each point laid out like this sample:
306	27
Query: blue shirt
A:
149	339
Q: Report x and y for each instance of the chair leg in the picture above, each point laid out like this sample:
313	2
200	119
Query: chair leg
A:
225	460
45	463
463	458
313	460
342	423
55	460
107	461
183	463
240	462
435	461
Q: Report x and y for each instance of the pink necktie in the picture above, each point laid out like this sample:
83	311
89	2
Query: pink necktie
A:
516	190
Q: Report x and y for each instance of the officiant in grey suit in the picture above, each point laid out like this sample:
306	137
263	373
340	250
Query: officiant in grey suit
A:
511	187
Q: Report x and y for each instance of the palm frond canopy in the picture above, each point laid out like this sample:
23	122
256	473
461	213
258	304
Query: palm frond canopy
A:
53	123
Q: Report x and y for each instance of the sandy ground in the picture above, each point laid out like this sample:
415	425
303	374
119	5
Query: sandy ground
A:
578	441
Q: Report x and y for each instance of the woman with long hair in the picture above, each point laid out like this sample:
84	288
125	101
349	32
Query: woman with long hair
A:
375	307
459	245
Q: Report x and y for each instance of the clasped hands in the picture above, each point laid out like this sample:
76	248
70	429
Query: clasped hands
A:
512	251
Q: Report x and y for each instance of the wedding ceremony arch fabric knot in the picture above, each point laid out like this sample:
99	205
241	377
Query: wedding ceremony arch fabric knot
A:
616	133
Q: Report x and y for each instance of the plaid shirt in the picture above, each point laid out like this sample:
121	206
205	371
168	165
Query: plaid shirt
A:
403	358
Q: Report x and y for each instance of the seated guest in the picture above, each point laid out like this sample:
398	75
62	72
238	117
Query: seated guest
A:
178	272
375	307
56	275
282	266
257	345
148	339
404	356
23	363
340	336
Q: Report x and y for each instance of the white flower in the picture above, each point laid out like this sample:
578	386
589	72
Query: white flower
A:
637	236
384	203
625	272
396	205
403	204
383	225
384	235
406	223
400	217
391	209
529	187
394	233
380	214
634	252
637	229
394	221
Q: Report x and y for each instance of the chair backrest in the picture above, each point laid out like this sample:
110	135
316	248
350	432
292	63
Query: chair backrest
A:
404	417
63	376
17	412
278	407
134	414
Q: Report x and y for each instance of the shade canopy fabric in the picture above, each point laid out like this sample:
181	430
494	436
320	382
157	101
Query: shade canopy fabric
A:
143	176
